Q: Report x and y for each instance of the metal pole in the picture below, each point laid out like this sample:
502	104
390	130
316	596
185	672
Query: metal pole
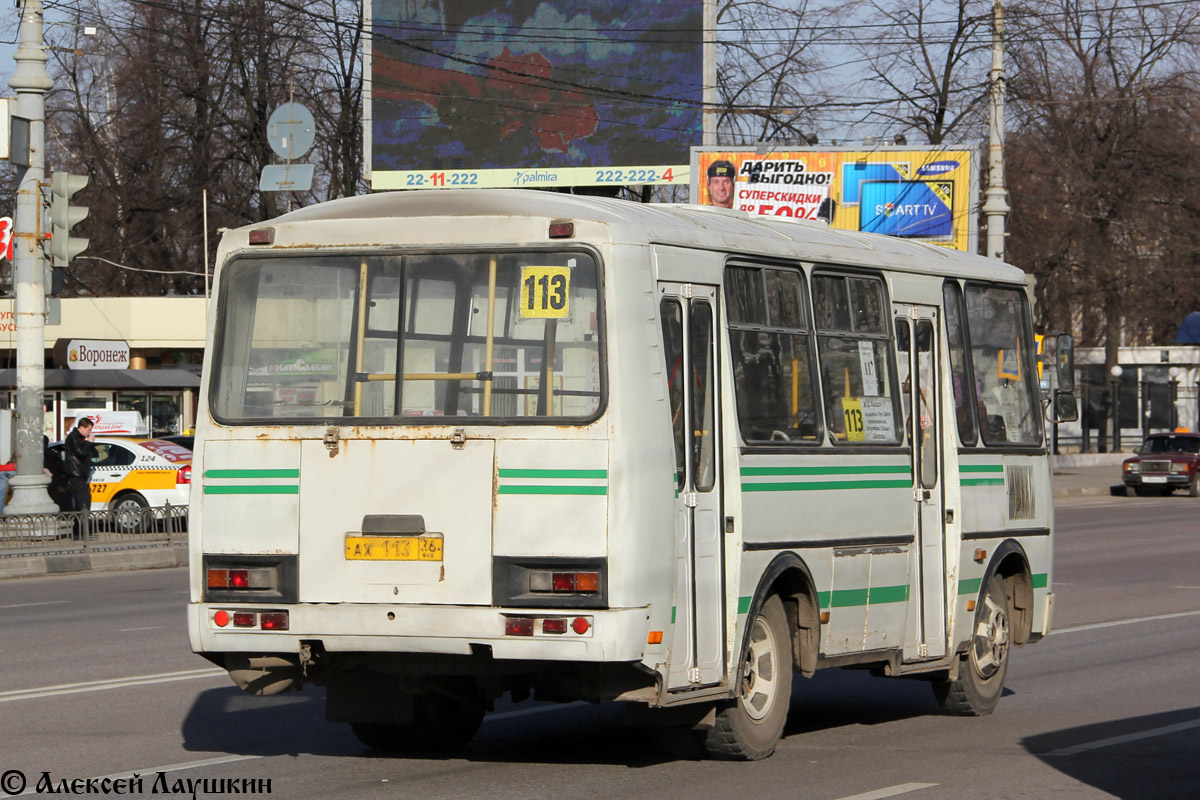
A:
995	205
1116	419
31	82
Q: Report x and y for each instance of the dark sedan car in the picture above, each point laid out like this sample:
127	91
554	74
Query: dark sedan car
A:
1165	462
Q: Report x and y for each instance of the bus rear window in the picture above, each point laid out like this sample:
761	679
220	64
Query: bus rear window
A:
332	337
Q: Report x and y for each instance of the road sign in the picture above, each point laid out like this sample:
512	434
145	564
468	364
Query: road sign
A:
286	178
291	130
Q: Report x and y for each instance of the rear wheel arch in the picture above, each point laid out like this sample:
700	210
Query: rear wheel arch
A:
789	577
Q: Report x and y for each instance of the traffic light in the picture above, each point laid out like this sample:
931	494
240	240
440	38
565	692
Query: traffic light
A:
64	216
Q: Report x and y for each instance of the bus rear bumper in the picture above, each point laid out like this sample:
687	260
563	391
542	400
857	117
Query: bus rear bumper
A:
609	635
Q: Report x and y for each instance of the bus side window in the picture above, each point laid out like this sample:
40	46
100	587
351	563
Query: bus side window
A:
856	359
769	344
1001	344
966	404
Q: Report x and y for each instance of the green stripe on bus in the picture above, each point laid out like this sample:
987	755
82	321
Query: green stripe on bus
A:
534	489
982	481
744	604
970	586
981	468
887	594
1040	580
256	489
812	486
553	473
902	469
672	615
252	473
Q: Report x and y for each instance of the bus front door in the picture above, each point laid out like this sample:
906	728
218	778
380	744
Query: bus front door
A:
689	320
918	357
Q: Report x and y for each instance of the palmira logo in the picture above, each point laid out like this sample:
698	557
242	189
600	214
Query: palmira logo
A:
535	176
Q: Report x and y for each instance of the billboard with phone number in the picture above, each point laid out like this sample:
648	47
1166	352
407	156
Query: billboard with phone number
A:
495	93
929	194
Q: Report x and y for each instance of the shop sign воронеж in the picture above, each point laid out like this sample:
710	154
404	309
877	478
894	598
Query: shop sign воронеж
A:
91	354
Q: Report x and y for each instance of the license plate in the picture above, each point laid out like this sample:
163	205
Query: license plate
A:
393	548
1154	479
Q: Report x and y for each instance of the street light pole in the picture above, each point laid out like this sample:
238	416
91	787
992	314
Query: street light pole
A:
31	82
995	205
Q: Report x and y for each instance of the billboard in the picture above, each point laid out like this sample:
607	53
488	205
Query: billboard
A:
505	93
930	194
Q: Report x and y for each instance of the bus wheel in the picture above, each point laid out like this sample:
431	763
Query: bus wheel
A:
438	723
749	728
980	680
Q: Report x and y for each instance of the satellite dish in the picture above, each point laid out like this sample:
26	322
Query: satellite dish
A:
291	130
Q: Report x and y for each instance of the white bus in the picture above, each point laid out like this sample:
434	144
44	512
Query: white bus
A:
457	445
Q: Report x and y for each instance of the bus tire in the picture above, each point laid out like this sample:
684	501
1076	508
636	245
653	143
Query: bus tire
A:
438	723
748	728
980	682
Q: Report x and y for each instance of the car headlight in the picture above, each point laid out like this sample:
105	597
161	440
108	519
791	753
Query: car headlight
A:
1133	466
1178	466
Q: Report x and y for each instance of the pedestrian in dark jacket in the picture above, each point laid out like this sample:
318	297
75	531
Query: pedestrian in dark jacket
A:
60	487
78	452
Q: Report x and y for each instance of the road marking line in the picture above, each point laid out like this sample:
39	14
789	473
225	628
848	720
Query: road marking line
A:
151	628
151	771
1115	623
1130	737
1185	587
112	683
891	791
29	605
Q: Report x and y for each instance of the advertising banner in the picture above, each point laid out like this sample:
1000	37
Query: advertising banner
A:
926	193
495	93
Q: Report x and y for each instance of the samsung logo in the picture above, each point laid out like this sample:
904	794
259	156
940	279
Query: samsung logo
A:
937	168
535	177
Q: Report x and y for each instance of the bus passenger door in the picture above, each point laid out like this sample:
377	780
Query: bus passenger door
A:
917	346
689	320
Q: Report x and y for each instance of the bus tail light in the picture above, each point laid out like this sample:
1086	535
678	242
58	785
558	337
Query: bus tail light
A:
274	620
259	578
250	579
564	582
245	619
550	583
546	626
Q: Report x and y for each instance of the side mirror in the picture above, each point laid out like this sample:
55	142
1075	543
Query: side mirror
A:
1065	359
1066	407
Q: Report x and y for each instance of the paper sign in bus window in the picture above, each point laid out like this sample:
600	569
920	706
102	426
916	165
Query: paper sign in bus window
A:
868	419
545	292
870	377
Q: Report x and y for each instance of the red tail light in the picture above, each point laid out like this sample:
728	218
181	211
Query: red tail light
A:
183	475
274	620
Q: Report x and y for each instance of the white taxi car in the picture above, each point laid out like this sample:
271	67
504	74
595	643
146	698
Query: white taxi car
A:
130	474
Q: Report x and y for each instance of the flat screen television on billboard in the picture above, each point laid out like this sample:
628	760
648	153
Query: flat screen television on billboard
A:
912	209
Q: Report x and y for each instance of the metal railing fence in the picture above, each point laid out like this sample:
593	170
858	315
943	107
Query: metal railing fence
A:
75	531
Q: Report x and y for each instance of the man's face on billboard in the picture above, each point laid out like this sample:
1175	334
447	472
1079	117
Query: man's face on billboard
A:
720	191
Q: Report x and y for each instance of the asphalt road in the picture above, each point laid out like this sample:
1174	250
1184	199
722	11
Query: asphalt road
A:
96	679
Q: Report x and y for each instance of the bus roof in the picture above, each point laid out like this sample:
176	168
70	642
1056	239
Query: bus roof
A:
705	227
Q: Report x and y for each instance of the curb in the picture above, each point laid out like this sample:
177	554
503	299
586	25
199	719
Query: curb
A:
105	561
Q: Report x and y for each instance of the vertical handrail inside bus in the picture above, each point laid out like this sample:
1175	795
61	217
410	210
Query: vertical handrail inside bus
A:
548	346
361	344
487	353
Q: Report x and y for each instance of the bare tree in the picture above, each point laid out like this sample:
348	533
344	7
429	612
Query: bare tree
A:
1095	183
929	62
766	71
